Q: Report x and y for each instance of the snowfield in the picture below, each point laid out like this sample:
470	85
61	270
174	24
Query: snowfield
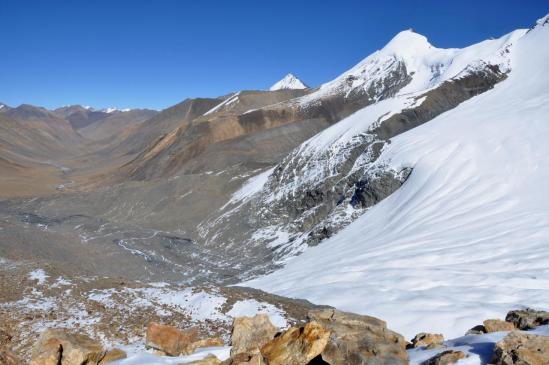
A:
466	237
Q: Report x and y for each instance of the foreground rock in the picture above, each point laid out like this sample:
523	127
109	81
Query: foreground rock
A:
7	357
497	325
245	359
297	345
250	334
357	339
445	358
527	319
58	346
113	355
429	340
171	341
208	360
522	349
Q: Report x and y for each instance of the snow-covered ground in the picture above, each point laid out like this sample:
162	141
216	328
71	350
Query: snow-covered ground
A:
465	238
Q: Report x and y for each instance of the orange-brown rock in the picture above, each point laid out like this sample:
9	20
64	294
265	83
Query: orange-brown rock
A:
526	319
169	339
356	339
208	360
58	346
518	348
497	325
7	357
250	334
245	359
297	345
113	355
429	340
208	342
445	358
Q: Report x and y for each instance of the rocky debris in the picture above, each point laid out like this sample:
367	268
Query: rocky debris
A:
358	339
5	338
170	340
526	319
245	359
445	358
497	325
113	355
58	346
297	346
7	357
250	334
429	340
522	349
208	360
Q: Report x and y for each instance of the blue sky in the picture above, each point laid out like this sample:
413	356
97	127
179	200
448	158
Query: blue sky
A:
156	53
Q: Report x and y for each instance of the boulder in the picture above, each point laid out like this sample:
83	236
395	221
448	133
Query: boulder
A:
445	358
497	325
58	346
7	357
169	339
113	355
518	348
357	339
249	334
208	360
429	340
245	359
208	342
297	345
477	330
526	319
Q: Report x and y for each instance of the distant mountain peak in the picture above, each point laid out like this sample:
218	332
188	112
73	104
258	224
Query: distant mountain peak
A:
290	81
407	42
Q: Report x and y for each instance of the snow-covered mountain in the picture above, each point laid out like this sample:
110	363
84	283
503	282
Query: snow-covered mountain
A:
468	225
334	177
289	81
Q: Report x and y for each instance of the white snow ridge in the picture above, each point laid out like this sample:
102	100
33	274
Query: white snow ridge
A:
289	81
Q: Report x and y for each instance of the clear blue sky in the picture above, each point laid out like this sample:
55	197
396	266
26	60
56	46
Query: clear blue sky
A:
156	53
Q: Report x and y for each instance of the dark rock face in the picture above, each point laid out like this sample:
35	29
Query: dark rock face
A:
371	191
528	318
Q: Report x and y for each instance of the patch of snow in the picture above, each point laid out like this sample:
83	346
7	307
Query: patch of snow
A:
478	349
251	307
136	357
252	186
39	275
230	100
289	81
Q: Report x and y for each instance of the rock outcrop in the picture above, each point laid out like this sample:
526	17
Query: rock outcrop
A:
445	358
250	334
113	355
245	359
7	357
429	340
58	346
526	319
497	325
522	349
357	339
298	345
170	340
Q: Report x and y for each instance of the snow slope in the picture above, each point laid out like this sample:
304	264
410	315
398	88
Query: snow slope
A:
289	81
465	238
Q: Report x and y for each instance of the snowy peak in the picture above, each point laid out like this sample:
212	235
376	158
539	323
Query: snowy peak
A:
407	42
289	81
